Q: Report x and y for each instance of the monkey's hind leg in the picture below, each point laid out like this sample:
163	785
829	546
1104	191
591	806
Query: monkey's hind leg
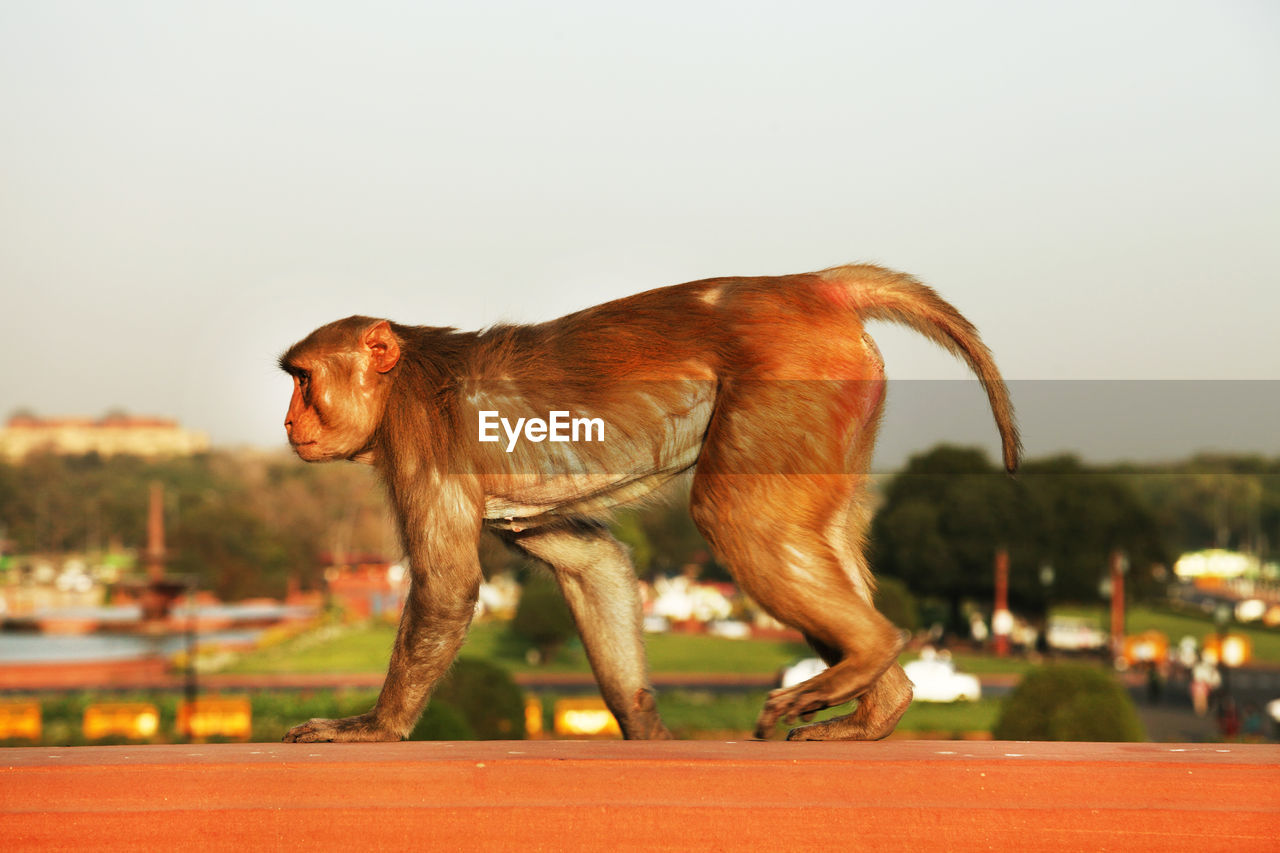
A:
793	538
598	582
785	564
882	706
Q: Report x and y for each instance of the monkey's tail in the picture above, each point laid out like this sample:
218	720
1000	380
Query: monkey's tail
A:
880	294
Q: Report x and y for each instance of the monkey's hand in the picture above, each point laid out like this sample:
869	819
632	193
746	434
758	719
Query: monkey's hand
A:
347	730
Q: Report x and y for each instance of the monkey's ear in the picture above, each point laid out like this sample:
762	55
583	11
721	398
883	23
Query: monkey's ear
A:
384	349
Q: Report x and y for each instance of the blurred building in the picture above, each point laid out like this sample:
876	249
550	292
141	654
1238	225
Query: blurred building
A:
368	589
115	434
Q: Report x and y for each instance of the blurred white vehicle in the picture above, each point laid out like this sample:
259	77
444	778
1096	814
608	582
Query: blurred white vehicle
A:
731	629
656	624
1075	635
801	671
935	679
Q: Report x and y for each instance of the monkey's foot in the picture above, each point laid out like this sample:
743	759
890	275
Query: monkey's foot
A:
875	718
847	680
790	704
347	730
643	722
652	730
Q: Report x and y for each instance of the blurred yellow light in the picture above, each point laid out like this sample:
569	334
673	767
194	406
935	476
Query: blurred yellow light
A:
138	720
585	717
147	724
216	717
532	716
1232	649
20	720
1147	647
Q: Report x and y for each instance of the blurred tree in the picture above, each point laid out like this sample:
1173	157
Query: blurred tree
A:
242	522
896	602
1214	501
942	519
1074	518
229	548
542	616
947	513
629	529
674	540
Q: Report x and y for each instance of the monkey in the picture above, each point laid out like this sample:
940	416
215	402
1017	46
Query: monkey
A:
767	390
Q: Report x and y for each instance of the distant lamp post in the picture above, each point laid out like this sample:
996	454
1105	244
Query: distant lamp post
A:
191	688
1230	649
1046	585
1046	576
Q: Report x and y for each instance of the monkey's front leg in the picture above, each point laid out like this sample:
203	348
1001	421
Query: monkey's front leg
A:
432	628
595	574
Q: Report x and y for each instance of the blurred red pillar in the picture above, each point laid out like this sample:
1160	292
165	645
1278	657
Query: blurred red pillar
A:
999	618
155	533
1117	602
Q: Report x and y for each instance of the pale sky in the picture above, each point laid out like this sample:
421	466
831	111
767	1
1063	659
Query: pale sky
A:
188	188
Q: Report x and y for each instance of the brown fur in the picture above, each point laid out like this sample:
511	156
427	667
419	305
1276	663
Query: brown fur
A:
769	386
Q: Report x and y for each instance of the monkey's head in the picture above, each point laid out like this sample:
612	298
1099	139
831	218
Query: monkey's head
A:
341	377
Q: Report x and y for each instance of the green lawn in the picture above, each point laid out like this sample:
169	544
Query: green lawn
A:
366	649
345	649
698	653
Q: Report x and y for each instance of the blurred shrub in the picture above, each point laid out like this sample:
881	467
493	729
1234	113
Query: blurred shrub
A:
442	721
1068	702
487	699
896	602
543	616
275	712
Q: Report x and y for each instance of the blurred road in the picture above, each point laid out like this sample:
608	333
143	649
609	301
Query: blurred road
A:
1170	718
